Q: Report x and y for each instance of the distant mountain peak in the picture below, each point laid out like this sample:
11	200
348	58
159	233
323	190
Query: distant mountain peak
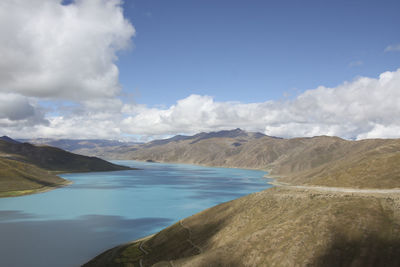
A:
234	133
9	140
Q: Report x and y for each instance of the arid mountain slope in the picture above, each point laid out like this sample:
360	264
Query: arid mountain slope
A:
275	227
20	178
54	159
320	160
26	168
367	164
283	226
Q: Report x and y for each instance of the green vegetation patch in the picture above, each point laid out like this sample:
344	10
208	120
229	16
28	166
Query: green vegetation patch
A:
131	254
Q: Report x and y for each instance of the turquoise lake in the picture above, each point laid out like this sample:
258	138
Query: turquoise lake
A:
70	225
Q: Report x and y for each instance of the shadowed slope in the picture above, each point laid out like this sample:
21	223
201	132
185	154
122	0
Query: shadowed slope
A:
26	168
55	159
276	227
283	226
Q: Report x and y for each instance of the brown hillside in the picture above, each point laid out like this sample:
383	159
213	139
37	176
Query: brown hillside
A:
282	226
55	159
321	160
25	168
276	227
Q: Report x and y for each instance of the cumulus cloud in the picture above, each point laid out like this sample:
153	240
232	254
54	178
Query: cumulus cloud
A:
76	122
392	48
55	51
362	108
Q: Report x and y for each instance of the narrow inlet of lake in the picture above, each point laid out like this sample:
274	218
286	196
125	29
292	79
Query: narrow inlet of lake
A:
70	225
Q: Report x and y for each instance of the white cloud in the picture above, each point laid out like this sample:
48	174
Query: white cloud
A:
68	52
77	122
363	108
392	48
379	131
55	51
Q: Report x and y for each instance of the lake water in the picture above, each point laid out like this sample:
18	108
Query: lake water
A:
70	225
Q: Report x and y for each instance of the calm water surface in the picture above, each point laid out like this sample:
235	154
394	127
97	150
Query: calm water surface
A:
70	225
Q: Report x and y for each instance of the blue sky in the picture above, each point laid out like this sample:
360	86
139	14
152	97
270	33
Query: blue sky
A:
145	69
254	50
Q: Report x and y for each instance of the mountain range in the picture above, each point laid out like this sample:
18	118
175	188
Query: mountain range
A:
75	145
320	160
336	204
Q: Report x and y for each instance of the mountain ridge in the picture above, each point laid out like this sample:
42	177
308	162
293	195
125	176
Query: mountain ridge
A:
26	168
73	145
8	139
285	225
292	160
319	160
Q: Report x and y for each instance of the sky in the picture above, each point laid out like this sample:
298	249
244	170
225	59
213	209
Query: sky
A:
144	69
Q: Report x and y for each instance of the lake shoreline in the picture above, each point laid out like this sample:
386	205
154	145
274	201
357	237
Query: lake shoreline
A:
96	211
25	192
20	193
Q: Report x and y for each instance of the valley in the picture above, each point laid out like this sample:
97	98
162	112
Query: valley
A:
320	160
336	203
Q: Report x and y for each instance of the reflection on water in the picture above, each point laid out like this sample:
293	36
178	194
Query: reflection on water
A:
67	242
70	225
